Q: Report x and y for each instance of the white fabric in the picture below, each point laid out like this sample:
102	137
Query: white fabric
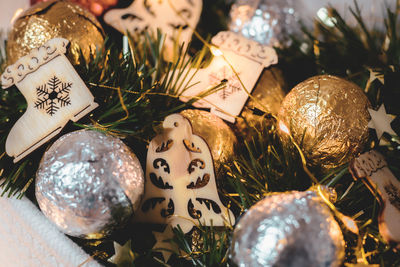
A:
27	238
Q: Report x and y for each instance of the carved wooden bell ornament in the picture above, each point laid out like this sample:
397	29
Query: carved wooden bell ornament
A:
54	93
180	186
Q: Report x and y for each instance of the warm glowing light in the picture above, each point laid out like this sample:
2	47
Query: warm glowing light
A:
350	224
215	51
16	15
283	127
96	9
323	15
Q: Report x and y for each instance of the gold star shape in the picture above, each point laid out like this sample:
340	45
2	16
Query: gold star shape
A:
123	255
380	121
164	243
374	75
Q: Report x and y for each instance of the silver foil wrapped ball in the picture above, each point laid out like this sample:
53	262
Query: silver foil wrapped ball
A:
269	22
89	184
288	229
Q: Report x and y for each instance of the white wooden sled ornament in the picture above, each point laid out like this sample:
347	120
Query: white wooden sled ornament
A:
248	58
180	186
373	167
175	18
54	92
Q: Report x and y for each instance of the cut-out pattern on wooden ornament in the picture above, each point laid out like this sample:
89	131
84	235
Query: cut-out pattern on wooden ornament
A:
176	19
54	93
244	55
180	183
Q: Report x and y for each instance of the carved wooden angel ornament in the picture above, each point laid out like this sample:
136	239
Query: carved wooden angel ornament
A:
54	93
180	186
175	18
373	167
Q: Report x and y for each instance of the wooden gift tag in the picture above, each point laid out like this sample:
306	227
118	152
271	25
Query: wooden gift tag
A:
54	92
176	19
180	185
247	57
372	166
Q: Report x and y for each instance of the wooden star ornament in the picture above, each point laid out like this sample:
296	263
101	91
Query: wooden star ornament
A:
123	255
164	244
374	75
380	121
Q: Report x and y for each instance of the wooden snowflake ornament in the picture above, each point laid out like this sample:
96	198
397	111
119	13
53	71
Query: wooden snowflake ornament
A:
180	186
54	93
373	167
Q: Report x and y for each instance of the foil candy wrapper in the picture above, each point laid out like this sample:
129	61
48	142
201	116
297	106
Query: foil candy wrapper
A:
89	184
269	22
328	116
288	229
267	97
47	20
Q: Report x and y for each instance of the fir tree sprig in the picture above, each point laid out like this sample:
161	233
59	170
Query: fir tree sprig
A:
137	90
134	91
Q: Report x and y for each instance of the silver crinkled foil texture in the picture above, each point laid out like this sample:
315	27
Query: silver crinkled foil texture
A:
288	229
269	22
89	184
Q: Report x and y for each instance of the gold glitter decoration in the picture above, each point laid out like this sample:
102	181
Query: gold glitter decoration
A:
328	117
97	7
52	19
269	94
197	238
217	134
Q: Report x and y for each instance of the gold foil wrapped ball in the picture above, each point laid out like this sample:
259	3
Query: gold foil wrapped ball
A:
269	93
328	117
217	134
51	19
97	7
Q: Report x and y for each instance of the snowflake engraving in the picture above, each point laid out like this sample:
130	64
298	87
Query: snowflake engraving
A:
226	75
53	95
